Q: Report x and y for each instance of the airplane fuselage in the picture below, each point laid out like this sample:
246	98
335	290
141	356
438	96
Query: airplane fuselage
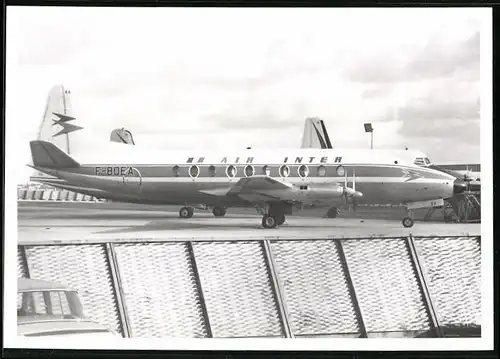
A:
168	177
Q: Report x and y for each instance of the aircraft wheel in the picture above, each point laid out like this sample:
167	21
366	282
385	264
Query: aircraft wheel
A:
219	212
280	219
407	222
332	212
269	221
186	212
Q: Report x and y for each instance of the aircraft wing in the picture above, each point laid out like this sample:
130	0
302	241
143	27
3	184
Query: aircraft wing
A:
262	189
256	183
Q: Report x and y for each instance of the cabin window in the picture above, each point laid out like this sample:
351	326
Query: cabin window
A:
231	171
266	170
284	171
176	170
194	171
211	171
427	161
340	171
321	171
249	171
303	171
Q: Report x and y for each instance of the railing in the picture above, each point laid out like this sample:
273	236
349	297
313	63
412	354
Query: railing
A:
368	287
53	195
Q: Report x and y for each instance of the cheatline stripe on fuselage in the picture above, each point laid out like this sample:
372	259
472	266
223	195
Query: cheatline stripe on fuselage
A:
167	171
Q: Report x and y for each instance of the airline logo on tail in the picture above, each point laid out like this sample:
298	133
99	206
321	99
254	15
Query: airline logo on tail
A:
63	122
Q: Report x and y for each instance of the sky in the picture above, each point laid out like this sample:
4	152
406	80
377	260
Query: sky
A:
230	78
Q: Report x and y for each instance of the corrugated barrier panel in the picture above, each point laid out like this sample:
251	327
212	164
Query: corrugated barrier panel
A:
316	293
46	195
84	267
38	194
160	290
385	284
237	289
21	266
30	194
452	268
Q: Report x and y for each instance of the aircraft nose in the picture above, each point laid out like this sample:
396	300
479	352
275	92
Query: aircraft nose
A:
459	186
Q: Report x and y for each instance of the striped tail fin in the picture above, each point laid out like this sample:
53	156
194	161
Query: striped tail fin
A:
315	134
58	123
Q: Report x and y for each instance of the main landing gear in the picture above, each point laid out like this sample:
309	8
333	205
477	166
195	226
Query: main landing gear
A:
269	221
186	212
332	212
275	216
219	211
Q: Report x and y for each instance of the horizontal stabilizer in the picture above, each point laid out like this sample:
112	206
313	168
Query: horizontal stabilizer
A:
46	154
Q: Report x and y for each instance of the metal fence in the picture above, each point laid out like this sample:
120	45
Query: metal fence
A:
396	287
53	195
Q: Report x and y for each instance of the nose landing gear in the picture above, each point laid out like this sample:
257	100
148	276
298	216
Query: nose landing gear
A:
407	222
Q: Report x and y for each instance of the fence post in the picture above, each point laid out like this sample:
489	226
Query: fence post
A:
278	291
197	279
350	287
417	267
118	288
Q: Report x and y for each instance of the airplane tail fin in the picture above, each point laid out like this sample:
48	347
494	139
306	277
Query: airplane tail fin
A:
56	126
48	155
315	134
122	135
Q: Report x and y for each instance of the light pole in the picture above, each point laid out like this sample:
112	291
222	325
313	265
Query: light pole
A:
369	128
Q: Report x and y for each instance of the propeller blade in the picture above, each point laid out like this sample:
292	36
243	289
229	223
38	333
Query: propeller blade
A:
354	179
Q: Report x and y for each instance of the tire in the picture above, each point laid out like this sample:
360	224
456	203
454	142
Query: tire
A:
186	212
280	219
407	222
332	212
219	212
269	221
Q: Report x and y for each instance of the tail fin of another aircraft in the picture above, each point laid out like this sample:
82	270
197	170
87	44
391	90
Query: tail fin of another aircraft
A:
56	126
122	135
315	134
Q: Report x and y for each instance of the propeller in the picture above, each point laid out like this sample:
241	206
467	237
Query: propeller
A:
351	192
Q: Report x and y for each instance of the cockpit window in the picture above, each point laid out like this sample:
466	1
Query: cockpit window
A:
419	161
422	161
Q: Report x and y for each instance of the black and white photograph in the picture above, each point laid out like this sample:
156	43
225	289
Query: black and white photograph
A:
249	178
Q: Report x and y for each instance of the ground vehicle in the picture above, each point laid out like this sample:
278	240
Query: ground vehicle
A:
53	309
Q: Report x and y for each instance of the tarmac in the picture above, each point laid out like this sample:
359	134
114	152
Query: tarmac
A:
42	222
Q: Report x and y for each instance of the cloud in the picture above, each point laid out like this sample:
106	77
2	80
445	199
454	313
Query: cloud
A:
439	57
424	110
224	77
